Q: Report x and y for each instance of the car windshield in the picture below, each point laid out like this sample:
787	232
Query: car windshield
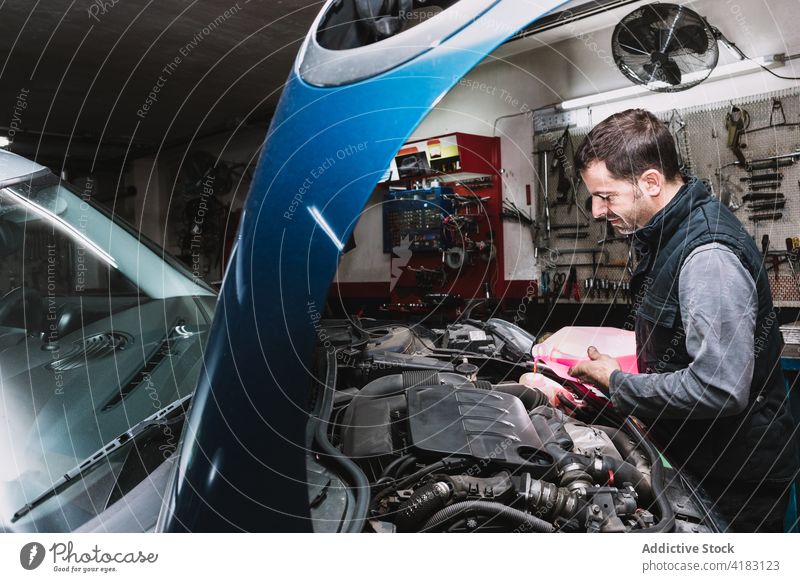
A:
39	241
97	332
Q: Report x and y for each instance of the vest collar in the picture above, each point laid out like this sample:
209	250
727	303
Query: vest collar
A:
667	220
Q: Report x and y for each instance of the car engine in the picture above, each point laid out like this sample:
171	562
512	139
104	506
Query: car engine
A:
445	440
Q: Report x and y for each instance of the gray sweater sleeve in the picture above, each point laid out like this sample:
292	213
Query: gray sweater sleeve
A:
719	303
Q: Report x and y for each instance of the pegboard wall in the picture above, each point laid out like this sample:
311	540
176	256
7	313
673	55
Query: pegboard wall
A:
701	136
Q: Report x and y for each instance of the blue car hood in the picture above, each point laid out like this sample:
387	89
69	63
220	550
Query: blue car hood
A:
243	459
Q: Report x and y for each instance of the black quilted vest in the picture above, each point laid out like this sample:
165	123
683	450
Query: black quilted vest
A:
751	446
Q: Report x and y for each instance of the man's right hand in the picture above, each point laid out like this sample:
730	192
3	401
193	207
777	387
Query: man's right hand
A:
597	371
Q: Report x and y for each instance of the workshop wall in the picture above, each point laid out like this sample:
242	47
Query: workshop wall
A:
512	84
367	263
195	218
498	96
701	136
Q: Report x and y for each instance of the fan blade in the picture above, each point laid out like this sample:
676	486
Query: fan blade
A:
638	35
691	37
662	68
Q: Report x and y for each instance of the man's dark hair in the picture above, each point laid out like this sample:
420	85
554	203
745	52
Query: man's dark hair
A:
630	142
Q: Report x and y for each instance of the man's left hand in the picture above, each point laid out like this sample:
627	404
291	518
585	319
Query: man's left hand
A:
597	371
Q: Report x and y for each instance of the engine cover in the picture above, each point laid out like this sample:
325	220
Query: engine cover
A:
484	425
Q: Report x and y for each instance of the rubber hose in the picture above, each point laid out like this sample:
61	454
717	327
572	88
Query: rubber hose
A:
552	443
401	470
391	467
520	518
559	438
667	522
423	503
625	472
627	449
383	386
531	397
622	470
619	438
410	480
358	479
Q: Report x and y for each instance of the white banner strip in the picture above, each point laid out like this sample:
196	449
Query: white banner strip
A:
401	558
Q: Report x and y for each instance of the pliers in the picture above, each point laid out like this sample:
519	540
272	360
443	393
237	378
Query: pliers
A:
572	285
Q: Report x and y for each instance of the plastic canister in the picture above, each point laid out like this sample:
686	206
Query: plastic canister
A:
568	346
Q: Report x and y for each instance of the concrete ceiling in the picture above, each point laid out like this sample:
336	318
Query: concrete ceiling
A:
759	27
84	70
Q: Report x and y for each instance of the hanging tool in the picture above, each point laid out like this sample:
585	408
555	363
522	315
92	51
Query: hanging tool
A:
677	127
594	252
776	205
770	164
615	286
777	110
565	188
765	250
793	254
612	239
545	198
764	185
588	286
753	196
793	247
545	287
763	178
626	291
570	226
790	155
558	284
572	284
768	216
605	286
776	260
777	118
737	120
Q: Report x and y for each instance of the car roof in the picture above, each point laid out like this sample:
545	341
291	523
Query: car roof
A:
13	167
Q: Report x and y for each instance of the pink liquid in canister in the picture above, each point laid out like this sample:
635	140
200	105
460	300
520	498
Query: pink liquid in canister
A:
568	346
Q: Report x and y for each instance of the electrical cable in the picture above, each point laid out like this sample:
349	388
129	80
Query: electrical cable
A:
739	52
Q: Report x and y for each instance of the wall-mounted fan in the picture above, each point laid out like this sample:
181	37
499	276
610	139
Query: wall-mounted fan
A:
665	47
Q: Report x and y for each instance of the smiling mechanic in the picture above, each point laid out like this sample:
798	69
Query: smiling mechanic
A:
708	345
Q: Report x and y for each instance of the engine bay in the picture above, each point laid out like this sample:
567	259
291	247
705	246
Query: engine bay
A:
431	430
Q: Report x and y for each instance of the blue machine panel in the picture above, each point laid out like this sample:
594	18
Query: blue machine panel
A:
418	215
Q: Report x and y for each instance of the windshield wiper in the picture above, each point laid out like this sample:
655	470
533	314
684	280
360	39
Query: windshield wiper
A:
95	458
